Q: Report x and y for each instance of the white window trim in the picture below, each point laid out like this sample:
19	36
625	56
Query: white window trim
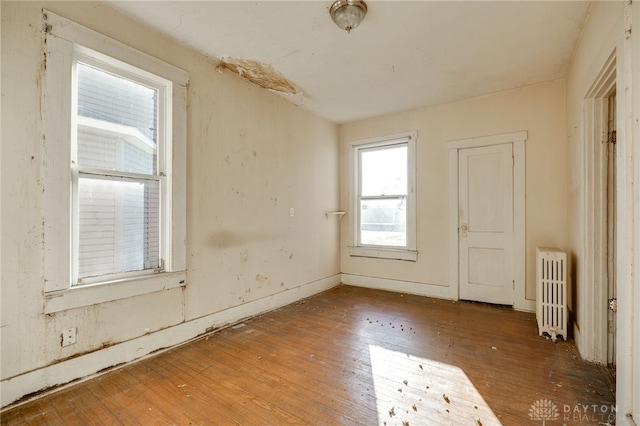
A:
164	88
393	253
64	40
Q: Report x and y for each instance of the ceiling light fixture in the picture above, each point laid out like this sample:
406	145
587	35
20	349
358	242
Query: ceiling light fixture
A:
347	14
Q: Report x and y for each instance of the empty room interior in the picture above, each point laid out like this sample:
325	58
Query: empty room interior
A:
318	212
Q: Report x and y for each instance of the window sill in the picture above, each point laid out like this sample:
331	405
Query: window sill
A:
77	297
384	253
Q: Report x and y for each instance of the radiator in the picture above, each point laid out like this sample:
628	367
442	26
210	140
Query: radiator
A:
551	292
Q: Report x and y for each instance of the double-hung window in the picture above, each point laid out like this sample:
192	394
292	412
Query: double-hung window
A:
115	138
383	180
118	171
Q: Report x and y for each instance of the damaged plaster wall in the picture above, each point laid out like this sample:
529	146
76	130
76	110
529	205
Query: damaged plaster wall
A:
251	156
264	75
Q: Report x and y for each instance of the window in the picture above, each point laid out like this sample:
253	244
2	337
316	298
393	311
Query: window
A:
384	202
115	135
116	176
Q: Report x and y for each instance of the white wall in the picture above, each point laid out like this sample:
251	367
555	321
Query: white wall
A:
251	156
628	389
538	109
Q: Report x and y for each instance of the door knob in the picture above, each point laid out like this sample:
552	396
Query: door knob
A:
463	230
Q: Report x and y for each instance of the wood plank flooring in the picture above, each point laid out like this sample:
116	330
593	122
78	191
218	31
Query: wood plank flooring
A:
348	356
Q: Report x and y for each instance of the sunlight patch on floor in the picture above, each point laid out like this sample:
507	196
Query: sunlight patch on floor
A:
411	390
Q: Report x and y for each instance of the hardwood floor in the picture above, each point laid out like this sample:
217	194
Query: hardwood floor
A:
348	356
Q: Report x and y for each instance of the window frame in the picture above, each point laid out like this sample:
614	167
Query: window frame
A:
357	249
90	58
66	43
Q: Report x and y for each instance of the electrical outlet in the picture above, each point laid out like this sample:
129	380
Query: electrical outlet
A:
292	212
69	336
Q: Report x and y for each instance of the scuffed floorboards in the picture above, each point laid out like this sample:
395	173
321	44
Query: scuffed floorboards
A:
349	356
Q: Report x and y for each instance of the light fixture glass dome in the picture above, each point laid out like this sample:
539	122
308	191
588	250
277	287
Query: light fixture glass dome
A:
348	14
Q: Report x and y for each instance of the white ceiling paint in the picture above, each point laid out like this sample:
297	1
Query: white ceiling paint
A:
405	55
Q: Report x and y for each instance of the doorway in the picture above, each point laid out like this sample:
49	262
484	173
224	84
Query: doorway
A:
486	228
610	223
595	328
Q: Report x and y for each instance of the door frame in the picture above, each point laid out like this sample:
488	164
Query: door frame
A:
517	140
591	331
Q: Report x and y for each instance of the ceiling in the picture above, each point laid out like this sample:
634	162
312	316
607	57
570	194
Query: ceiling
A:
405	54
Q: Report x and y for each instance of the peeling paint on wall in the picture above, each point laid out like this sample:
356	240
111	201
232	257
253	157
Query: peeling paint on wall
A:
261	279
234	230
264	75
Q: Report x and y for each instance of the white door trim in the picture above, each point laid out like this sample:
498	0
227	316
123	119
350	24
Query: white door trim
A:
628	219
591	328
517	139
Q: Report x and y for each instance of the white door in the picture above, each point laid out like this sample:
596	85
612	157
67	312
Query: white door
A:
485	224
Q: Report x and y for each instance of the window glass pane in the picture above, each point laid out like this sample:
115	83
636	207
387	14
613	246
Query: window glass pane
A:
119	222
384	171
117	122
383	222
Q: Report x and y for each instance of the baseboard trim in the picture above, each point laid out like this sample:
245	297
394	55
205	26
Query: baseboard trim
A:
409	287
54	377
420	289
525	305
